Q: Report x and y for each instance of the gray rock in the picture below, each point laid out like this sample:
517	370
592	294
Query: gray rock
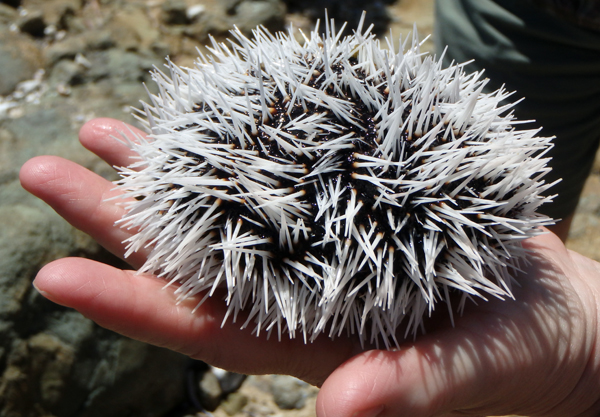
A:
32	23
174	12
67	72
46	374
249	14
12	3
210	392
195	11
71	46
19	59
231	381
589	204
56	360
130	67
245	14
133	29
234	403
122	67
53	361
41	130
288	393
54	12
7	13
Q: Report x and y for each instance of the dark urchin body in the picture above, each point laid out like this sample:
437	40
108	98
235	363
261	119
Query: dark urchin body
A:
332	186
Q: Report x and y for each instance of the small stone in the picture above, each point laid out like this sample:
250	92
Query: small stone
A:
133	30
210	391
174	12
71	46
63	90
234	403
288	392
12	3
252	13
160	49
32	23
195	11
7	14
230	381
67	73
20	58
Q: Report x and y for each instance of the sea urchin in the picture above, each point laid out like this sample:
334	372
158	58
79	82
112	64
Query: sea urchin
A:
331	186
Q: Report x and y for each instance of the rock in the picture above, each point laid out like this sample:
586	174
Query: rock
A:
231	381
43	130
53	360
67	72
210	391
12	3
195	11
7	14
23	247
46	374
288	392
130	67
19	60
234	403
32	22
174	12
70	47
249	14
54	12
133	30
246	15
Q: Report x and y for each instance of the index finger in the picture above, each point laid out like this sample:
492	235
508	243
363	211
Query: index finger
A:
81	197
105	137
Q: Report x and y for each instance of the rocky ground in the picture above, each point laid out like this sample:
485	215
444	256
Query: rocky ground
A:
62	63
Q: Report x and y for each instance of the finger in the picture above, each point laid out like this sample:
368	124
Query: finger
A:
82	198
457	373
137	306
392	384
105	137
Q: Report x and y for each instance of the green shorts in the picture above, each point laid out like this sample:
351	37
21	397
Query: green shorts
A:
551	62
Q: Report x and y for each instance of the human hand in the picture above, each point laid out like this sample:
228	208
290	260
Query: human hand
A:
535	355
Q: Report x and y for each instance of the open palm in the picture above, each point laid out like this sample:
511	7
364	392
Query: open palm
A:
535	355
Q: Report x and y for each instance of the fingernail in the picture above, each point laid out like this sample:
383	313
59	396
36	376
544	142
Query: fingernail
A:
43	293
371	412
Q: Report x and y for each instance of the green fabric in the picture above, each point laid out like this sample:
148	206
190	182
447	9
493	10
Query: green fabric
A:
582	12
552	62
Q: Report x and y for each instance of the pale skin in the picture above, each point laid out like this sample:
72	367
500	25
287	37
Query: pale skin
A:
536	355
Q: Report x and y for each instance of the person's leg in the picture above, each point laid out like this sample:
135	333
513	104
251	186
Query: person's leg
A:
554	64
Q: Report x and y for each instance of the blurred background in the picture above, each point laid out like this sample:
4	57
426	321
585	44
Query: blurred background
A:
64	62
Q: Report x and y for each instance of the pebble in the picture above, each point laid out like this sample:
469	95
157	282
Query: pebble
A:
174	12
70	47
288	392
234	403
32	22
20	58
229	381
210	392
193	12
7	14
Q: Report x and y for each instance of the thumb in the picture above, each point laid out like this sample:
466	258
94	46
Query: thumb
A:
527	355
466	368
385	384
